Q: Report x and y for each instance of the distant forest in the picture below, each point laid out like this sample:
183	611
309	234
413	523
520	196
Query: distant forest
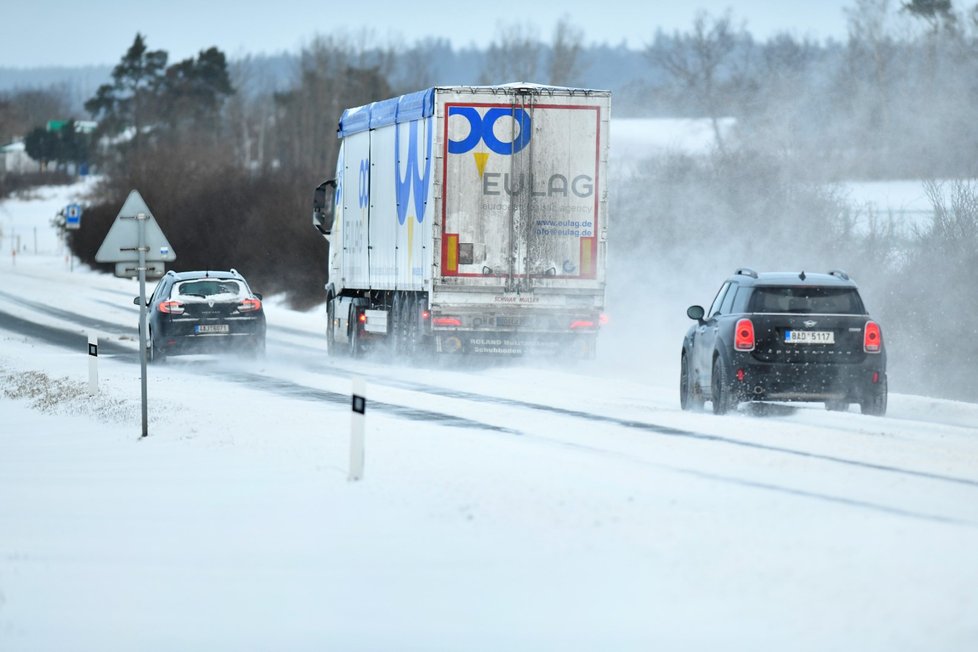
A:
227	153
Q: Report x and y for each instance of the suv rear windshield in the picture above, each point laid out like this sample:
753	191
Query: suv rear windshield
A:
802	300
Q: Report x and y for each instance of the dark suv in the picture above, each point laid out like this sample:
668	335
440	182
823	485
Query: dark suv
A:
204	312
784	337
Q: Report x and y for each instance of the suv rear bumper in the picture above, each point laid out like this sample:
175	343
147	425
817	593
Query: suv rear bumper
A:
761	381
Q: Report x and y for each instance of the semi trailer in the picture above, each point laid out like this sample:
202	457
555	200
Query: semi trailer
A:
468	220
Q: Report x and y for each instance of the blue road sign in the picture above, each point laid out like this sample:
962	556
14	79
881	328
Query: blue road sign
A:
73	213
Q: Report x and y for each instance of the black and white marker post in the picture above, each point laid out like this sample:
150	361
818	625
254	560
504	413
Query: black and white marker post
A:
92	364
357	419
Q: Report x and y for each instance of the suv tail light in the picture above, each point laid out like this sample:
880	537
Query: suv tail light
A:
872	338
249	305
744	335
171	307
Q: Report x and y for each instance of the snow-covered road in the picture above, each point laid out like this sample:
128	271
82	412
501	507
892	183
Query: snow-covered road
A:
522	507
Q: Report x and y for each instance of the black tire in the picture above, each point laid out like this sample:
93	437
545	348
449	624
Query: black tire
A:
398	326
720	393
154	354
356	346
875	404
837	406
689	399
330	328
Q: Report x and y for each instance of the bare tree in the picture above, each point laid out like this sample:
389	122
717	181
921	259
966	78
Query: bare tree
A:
565	53
514	55
705	63
21	111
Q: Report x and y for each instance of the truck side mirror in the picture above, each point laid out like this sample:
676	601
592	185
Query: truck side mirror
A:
323	211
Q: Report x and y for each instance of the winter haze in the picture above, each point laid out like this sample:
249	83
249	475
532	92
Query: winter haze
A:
521	505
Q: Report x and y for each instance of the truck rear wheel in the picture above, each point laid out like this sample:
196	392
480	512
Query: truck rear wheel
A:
356	343
330	328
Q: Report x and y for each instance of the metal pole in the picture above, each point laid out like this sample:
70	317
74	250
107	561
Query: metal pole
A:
141	218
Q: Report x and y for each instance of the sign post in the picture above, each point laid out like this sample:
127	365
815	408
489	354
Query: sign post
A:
136	237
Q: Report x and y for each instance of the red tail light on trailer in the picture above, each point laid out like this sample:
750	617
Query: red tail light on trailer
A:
446	321
744	335
872	338
581	323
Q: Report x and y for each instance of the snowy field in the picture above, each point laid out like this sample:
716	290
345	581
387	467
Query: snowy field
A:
511	507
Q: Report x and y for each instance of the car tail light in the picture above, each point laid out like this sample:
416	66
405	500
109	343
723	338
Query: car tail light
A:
362	317
741	374
744	335
249	305
872	338
426	315
581	323
446	321
171	307
603	319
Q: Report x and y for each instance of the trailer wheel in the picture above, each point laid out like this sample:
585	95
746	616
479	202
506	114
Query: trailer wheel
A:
330	328
356	344
398	326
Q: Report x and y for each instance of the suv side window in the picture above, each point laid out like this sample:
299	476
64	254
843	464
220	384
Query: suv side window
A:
740	301
729	299
715	306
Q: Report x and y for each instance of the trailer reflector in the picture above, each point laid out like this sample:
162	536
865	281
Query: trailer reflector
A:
451	253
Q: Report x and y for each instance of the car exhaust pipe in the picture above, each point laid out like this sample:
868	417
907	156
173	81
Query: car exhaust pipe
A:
758	390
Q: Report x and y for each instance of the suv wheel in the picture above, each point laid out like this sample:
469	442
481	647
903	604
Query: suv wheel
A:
719	388
689	399
875	403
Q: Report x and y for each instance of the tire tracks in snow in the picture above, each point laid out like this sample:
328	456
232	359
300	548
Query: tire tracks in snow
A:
69	339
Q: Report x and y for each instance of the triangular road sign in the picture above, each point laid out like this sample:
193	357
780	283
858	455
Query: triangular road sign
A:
120	243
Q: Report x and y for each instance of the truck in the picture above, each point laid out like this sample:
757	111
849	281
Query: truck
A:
468	220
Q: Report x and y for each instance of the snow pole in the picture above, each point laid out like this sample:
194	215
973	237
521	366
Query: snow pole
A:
357	419
92	364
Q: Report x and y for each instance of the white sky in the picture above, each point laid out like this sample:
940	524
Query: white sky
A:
56	32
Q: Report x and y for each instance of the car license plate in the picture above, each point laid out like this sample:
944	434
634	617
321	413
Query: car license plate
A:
809	337
202	329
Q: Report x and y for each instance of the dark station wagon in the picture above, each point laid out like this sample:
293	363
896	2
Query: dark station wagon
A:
204	312
784	337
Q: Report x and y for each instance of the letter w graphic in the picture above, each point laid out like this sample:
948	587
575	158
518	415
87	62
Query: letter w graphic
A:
413	179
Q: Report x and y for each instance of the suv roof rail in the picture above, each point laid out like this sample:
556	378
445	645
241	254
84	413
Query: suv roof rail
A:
746	271
840	274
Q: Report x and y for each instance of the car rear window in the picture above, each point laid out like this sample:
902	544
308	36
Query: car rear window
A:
210	287
803	300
